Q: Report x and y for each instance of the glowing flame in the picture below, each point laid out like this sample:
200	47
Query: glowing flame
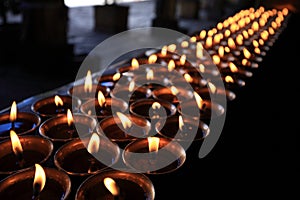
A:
245	34
101	98
182	59
255	43
201	68
126	123
174	91
285	11
257	50
271	31
219	26
193	39
231	43
264	35
39	178
171	65
156	105
221	51
261	41
216	59
69	117
188	78
202	34
239	39
153	144
131	86
13	112
135	64
227	33
255	26
246	53
250	31
208	42
150	75
16	144
172	48
94	144
58	101
229	79
180	122
164	50
227	49
199	50
88	83
184	44
232	67
116	76
152	59
211	87
244	62
199	100
217	39
111	185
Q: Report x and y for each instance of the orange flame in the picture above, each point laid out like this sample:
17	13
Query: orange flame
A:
101	98
13	112
150	75
202	34
39	178
201	68
112	186
88	84
184	44
16	144
171	65
152	59
174	90
246	53
188	78
69	117
58	101
199	100
116	76
208	42
180	122
229	79
216	59
221	51
156	105
126	123
94	144
193	39
172	48
232	67
211	87
239	39
153	144
164	50
199	50
182	59
131	86
135	64
231	43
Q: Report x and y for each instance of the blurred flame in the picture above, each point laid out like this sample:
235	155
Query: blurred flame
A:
221	51
164	50
182	59
58	101
211	87
174	91
216	59
135	64
116	76
156	105
246	53
15	142
94	144
232	67
193	39
202	34
227	33
131	86
199	100
184	44
208	42
126	123
150	75
88	84
153	143
239	39
188	78
172	48
257	50
39	178
69	117
13	112
152	59
231	43
199	50
180	122
171	65
229	79
101	98
111	185
201	68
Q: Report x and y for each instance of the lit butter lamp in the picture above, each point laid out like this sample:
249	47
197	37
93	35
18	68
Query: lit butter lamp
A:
116	185
102	107
85	156
88	90
62	129
55	105
109	80
154	155
36	183
18	153
21	122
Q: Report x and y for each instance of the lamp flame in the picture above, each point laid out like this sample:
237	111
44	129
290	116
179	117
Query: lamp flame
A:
116	76
94	144
182	59
164	50
216	59
13	112
172	48
221	51
233	68
229	79
231	43
69	117
150	75
184	44
211	87
199	50
135	64
101	98
153	144
208	42
199	100
171	65
131	86
58	101
126	123
88	83
16	144
39	179
152	59
180	122
246	53
201	68
202	34
188	78
156	105
174	90
112	186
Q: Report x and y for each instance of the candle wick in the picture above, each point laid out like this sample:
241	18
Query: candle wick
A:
36	192
93	167
72	130
21	161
